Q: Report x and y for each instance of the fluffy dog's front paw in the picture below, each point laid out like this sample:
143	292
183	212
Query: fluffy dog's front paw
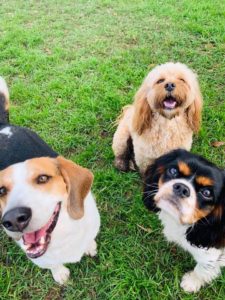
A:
121	164
92	249
191	283
61	274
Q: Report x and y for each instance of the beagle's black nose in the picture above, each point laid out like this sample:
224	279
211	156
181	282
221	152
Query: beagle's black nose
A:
181	190
170	86
17	219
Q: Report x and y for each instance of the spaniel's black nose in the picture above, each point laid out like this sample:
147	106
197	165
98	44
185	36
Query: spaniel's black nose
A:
17	219
181	190
170	86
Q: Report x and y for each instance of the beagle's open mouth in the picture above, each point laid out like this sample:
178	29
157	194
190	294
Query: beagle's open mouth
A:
169	102
36	242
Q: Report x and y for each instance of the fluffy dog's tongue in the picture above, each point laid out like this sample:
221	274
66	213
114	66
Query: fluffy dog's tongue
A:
170	103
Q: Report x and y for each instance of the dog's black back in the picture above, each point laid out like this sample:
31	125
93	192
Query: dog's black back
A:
18	144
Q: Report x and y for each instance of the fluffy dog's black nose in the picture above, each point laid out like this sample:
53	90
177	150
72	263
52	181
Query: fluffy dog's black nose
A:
17	219
181	190
170	86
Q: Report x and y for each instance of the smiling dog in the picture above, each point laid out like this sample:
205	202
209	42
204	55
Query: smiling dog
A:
166	112
45	200
189	193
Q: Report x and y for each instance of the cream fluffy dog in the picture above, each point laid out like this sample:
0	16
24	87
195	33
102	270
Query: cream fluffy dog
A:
166	112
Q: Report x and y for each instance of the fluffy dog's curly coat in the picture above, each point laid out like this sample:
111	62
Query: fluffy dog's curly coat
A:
165	113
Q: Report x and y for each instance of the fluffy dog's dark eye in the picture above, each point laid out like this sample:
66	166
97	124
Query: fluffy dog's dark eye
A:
182	80
3	191
43	179
206	193
160	80
173	171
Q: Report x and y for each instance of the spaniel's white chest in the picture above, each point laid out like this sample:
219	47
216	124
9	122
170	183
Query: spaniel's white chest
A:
176	232
173	231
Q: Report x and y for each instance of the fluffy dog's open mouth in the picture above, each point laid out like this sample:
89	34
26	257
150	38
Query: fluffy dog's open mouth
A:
170	102
36	242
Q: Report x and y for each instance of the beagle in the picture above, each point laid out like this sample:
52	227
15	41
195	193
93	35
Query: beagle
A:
46	202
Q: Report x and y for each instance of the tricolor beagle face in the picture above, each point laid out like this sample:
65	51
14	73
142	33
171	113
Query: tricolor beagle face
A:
32	194
186	186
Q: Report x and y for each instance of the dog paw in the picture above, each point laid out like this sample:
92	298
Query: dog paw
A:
121	164
92	249
61	274
191	283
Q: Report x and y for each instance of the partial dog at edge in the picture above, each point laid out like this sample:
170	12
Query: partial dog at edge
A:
188	192
166	111
46	202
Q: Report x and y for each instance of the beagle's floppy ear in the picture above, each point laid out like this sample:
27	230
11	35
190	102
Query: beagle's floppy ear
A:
143	114
194	111
78	181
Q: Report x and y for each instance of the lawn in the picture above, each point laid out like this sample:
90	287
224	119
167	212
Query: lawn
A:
71	66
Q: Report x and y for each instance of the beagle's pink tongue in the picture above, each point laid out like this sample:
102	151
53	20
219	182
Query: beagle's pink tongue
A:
34	237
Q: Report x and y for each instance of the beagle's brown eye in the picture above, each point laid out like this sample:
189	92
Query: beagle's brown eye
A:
43	179
160	80
3	191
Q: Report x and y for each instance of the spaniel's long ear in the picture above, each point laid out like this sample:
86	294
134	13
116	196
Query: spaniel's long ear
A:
151	180
78	181
210	231
153	174
143	114
194	111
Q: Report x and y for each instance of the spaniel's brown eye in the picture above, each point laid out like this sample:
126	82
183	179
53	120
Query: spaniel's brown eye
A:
160	81
3	191
173	171
43	179
206	193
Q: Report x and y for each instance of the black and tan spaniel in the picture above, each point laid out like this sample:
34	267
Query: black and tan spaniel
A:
189	194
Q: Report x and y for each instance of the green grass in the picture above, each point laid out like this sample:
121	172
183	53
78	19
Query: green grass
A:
71	66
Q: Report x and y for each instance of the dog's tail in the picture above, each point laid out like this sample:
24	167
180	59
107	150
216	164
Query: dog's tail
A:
123	111
4	102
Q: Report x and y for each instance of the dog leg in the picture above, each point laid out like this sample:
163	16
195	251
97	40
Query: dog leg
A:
120	144
202	274
60	274
92	249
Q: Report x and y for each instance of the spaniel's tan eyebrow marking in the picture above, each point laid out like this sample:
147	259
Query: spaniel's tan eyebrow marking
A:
184	168
205	181
160	169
